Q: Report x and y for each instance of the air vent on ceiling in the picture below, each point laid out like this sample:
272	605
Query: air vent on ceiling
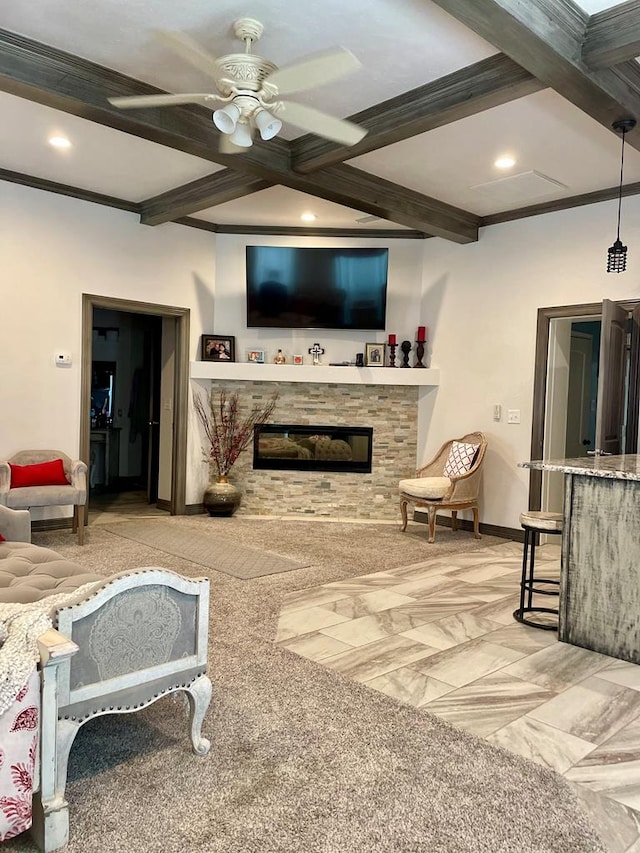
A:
364	219
522	188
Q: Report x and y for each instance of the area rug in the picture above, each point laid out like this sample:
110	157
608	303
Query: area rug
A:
213	552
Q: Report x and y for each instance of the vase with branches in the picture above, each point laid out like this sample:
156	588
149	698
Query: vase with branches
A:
228	431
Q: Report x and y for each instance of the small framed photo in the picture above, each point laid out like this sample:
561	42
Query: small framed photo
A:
256	356
218	348
374	355
298	359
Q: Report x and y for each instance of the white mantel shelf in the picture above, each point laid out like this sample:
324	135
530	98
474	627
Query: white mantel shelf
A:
321	373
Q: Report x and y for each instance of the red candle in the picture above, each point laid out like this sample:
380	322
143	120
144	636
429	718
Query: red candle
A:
422	334
392	339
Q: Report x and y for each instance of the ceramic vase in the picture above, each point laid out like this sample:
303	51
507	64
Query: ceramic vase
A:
221	497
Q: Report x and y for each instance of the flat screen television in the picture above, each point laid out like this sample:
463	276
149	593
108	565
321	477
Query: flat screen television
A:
309	288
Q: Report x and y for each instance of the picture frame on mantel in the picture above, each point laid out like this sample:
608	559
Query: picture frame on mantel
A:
255	356
374	355
218	348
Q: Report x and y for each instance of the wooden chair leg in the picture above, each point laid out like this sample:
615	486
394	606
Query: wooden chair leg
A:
403	513
454	519
78	519
432	523
476	523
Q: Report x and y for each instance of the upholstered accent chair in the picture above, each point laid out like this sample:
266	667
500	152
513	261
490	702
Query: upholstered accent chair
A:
74	493
450	481
122	645
117	645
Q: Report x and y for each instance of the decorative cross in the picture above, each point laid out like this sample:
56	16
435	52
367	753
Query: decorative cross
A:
316	351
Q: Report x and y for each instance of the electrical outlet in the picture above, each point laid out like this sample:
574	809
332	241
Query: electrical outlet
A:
513	416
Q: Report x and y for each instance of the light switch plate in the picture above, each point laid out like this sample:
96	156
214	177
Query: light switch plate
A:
497	412
513	416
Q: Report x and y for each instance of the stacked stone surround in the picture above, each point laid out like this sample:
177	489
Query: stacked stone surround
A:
392	411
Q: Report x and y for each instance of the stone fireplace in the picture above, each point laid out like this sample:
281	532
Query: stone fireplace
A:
390	411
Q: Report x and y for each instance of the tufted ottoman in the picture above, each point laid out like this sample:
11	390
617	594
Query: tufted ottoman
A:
29	573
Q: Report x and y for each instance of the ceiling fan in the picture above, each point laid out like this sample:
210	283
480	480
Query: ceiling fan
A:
250	86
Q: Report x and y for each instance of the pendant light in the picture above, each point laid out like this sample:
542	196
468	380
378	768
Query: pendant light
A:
617	254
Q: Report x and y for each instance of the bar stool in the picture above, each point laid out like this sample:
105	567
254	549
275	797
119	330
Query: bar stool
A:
535	522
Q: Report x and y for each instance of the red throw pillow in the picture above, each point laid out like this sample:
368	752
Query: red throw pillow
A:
40	474
2	538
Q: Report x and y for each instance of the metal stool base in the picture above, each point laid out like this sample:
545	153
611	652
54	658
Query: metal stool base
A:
519	616
529	584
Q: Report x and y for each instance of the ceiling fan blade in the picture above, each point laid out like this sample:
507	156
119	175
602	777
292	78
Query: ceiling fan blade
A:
226	146
188	49
313	70
140	101
308	118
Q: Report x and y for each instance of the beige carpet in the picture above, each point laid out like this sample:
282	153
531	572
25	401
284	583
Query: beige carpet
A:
302	759
214	552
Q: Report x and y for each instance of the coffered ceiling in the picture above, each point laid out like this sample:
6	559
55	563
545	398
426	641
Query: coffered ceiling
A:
445	88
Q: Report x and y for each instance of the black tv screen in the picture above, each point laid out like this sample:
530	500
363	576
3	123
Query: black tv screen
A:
308	288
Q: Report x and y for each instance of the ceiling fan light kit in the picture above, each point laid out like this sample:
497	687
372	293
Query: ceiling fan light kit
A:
617	254
226	118
241	135
268	125
249	83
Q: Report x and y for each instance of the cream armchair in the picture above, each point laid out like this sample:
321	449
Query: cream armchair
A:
435	487
74	494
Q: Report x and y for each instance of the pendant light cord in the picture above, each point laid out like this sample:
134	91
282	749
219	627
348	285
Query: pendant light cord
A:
624	130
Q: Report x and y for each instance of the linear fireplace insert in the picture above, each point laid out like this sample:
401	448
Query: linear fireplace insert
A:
295	447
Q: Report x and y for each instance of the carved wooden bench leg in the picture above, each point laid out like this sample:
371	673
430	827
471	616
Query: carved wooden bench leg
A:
199	694
50	828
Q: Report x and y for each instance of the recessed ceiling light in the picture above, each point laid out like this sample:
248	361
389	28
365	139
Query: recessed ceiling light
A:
59	142
308	217
505	162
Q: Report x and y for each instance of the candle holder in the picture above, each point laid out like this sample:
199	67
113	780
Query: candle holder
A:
392	354
405	346
419	353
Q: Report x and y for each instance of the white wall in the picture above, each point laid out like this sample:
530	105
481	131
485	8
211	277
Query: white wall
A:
480	303
54	249
403	299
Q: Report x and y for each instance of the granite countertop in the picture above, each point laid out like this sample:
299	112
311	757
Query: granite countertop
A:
625	467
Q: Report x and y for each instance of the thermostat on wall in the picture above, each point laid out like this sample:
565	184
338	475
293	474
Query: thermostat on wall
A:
63	357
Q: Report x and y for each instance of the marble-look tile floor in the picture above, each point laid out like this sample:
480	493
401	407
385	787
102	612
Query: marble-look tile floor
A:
440	636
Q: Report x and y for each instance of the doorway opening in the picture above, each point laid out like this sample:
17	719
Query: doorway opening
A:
134	387
586	395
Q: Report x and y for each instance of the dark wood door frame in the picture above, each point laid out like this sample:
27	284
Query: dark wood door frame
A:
180	386
545	316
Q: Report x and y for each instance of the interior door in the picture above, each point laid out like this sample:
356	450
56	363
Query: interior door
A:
610	412
633	396
578	441
153	348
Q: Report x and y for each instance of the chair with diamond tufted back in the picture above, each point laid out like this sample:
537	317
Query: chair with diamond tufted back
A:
451	480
